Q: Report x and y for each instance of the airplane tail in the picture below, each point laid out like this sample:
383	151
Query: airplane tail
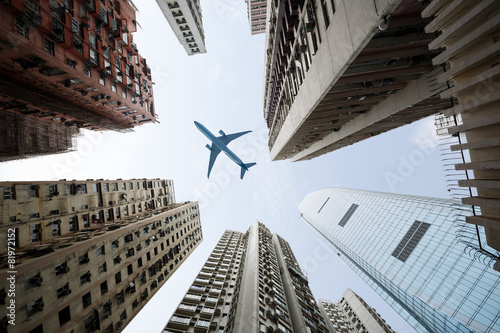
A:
245	167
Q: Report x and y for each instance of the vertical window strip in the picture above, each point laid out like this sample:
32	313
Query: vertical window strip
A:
347	215
410	240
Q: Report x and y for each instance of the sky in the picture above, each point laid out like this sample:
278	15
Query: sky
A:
222	89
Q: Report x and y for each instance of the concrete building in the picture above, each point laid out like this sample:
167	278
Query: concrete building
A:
352	315
405	248
468	37
88	255
73	64
256	10
250	283
338	72
185	19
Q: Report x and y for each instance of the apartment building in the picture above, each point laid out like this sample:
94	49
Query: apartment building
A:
185	19
352	315
256	10
338	72
83	264
72	64
251	282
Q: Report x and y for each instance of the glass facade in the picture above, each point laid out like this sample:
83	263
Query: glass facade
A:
405	248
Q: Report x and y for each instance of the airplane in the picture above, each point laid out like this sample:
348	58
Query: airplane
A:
220	144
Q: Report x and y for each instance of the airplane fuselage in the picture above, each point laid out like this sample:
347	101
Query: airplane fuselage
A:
223	147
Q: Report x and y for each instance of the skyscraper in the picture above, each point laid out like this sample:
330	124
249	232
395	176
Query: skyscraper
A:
352	315
70	64
185	19
404	248
256	10
338	72
86	256
250	283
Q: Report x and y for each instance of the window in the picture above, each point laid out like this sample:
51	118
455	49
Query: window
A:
62	269
113	87
49	46
83	259
102	268
410	240
86	299
104	287
120	298
32	282
88	72
22	28
85	278
34	215
81	188
100	251
9	192
118	277
86	220
106	309
347	215
35	307
63	291
123	315
33	191
130	269
64	316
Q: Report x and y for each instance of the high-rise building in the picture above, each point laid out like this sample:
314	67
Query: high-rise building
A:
86	256
404	247
72	64
340	72
352	315
467	36
185	19
250	283
256	10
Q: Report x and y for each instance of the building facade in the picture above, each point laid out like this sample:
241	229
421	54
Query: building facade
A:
338	72
468	38
185	19
404	247
83	264
23	136
250	283
352	315
256	10
74	64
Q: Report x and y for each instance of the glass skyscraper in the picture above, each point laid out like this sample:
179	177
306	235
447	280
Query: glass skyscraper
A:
405	248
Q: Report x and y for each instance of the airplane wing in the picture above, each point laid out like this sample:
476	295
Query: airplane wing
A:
214	152
230	137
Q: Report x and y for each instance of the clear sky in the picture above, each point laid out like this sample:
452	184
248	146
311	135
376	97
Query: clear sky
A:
222	89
